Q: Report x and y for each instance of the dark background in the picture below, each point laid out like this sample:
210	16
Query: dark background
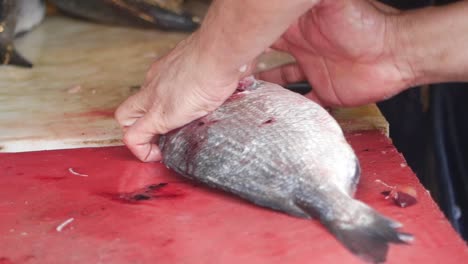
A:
428	125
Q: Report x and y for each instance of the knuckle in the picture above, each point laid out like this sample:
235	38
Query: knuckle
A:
129	111
119	115
129	139
161	126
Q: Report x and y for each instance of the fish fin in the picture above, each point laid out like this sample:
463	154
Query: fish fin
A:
368	240
361	229
18	60
9	56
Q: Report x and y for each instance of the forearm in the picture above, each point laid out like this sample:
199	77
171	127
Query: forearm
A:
234	32
434	42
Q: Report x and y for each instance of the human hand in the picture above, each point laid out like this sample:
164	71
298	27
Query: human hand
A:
203	70
174	93
346	50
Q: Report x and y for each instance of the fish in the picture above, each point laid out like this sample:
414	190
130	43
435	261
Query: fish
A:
16	18
160	14
280	150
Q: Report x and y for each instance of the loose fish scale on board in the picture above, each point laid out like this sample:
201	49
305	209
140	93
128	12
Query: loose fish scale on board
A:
282	151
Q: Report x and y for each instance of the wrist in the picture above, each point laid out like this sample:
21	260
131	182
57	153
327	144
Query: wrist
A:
221	69
404	51
412	53
211	66
430	43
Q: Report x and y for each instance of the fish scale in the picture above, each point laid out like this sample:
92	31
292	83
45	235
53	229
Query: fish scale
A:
279	150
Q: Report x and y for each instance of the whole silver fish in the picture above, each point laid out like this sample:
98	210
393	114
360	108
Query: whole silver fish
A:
280	150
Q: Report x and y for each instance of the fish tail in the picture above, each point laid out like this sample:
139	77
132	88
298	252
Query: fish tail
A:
9	56
361	229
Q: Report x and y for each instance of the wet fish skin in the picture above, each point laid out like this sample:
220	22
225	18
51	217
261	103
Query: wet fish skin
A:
279	150
162	14
8	18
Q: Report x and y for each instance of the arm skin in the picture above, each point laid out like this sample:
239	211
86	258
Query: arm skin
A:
203	70
434	42
235	32
356	52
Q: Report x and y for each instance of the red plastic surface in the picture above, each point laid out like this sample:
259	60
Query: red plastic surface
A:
187	223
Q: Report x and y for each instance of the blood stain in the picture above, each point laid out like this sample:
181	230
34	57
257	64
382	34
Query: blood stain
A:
150	192
4	260
107	113
49	178
269	121
167	242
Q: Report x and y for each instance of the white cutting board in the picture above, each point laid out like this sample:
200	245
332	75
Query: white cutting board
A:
38	108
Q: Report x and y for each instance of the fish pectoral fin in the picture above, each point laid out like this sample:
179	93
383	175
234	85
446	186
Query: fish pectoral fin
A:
10	56
361	229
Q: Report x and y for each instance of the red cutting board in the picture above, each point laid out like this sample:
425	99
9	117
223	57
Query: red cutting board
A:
188	223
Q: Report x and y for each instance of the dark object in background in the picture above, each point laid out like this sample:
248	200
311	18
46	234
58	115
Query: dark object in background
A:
17	16
434	141
20	16
450	131
161	14
299	87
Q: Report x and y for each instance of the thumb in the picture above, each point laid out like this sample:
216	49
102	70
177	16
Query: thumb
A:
282	75
143	136
280	45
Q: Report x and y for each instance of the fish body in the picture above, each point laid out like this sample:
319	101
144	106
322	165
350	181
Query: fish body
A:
279	150
162	14
16	17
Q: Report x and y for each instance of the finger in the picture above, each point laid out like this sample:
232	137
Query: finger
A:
282	75
313	96
385	8
142	138
248	69
131	110
280	45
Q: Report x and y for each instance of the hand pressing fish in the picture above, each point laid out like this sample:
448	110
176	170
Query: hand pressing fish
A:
162	14
16	17
280	150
